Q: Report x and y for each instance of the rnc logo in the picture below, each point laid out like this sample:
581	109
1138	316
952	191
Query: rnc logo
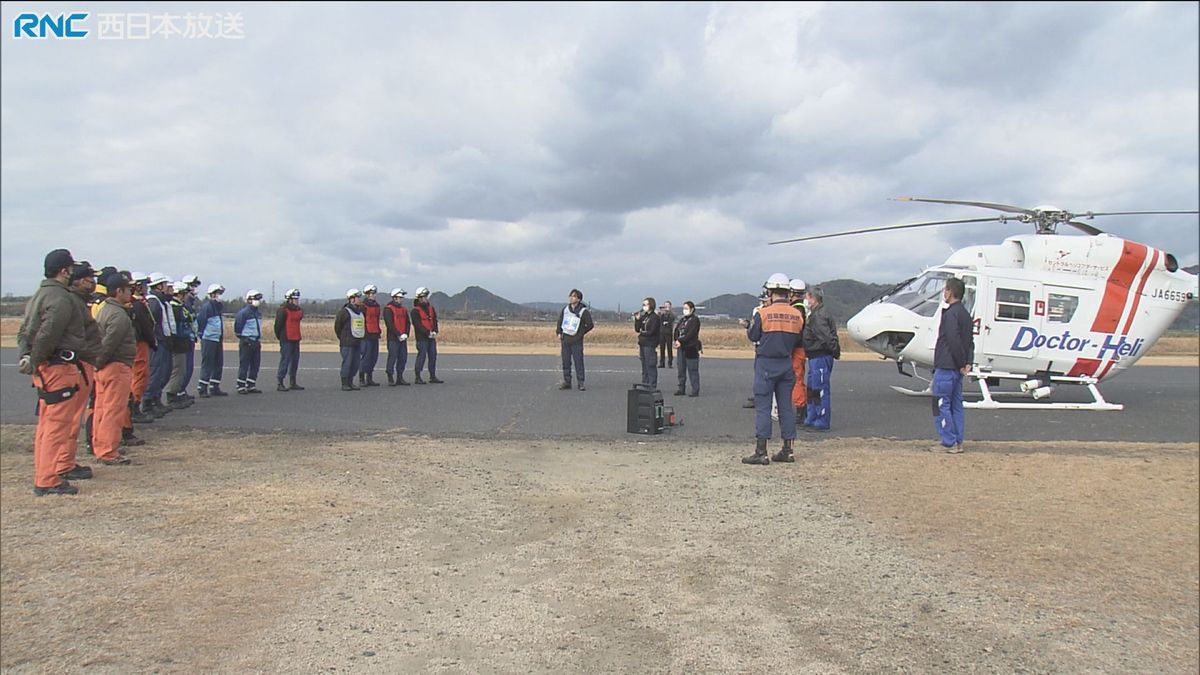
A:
43	26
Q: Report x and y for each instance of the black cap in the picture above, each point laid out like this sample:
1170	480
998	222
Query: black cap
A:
114	280
56	260
82	270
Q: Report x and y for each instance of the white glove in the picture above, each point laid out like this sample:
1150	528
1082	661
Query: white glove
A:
25	366
432	334
403	337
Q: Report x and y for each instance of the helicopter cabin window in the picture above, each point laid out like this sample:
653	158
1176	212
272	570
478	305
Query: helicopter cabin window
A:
1060	308
1012	305
922	295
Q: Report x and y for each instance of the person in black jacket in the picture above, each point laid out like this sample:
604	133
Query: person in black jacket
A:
648	326
688	347
952	358
666	336
822	348
575	322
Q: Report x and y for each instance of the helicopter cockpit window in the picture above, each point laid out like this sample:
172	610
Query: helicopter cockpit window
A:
1012	305
1060	308
922	295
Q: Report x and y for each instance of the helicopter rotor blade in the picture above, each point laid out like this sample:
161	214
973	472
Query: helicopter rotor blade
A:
1089	215
986	205
891	227
1085	228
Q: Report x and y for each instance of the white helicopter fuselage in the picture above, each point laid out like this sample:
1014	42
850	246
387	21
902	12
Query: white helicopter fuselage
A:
1082	307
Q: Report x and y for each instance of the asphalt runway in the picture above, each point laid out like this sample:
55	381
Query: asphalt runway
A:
491	396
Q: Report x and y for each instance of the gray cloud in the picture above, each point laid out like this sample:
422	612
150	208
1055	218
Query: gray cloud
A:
631	149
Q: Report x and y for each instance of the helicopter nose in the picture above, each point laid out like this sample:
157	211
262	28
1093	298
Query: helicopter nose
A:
879	328
864	325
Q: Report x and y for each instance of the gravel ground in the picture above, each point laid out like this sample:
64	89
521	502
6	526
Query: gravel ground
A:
395	553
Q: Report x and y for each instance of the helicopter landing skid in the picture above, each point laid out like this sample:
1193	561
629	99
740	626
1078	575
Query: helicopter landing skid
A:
988	397
989	401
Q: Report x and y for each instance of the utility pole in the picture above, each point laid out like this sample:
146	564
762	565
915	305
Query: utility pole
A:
272	291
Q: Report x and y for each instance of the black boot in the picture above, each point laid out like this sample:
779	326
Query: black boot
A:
280	387
140	414
433	379
785	453
417	378
295	387
371	380
391	380
362	380
348	384
400	379
760	454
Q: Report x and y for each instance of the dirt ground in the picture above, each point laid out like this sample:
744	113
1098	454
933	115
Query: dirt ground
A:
393	553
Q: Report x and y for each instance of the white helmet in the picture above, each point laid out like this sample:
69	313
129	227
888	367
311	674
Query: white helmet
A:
180	286
777	282
422	292
291	293
796	285
353	293
253	294
215	288
157	278
370	288
399	292
191	280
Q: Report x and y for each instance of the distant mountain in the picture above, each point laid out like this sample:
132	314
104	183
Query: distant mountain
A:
843	299
476	300
548	307
735	306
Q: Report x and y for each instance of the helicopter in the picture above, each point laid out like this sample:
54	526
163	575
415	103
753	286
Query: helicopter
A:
1048	309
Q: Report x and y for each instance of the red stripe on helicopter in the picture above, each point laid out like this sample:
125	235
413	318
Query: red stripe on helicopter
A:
1137	297
1137	300
1116	290
1083	367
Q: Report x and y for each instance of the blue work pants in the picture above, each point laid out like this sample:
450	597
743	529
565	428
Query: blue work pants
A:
774	379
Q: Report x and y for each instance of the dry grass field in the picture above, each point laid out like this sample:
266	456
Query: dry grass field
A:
724	339
226	552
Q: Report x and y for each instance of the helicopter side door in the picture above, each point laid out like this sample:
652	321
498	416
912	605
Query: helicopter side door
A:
1009	315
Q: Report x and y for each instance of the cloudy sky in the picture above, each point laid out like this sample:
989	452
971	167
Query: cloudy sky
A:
624	149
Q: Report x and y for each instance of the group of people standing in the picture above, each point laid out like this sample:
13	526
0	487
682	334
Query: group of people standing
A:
359	327
114	342
104	348
795	345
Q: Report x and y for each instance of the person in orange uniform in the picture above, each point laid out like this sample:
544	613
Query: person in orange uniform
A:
799	392
143	325
114	369
52	333
774	332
